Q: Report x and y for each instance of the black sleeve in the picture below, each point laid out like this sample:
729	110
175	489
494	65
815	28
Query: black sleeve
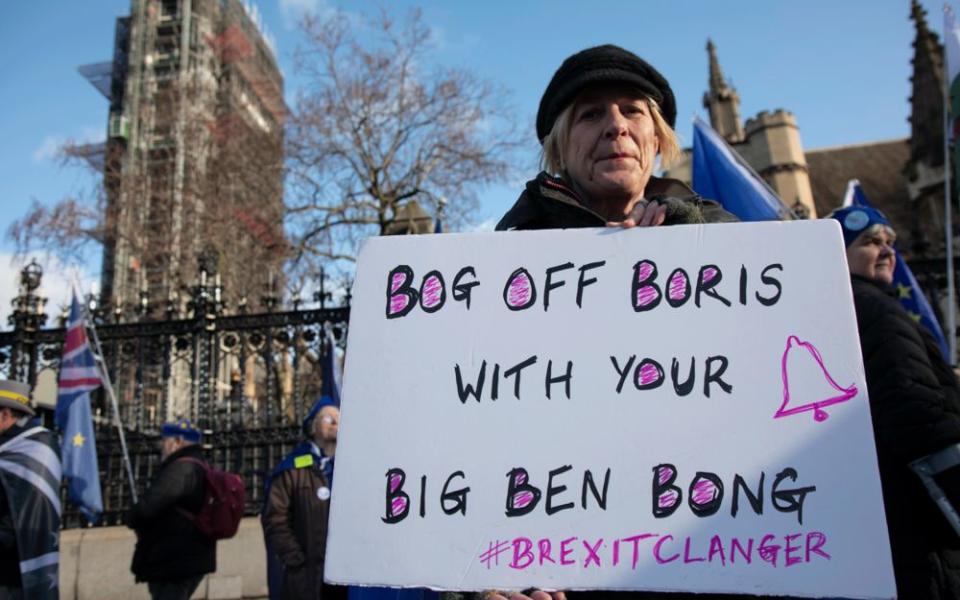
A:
914	412
714	213
694	209
177	482
8	535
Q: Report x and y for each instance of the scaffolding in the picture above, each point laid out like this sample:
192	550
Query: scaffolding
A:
189	79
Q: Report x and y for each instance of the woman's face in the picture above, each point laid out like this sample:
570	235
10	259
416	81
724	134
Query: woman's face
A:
871	255
612	144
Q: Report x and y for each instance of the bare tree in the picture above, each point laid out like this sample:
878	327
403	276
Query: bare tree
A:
69	226
379	125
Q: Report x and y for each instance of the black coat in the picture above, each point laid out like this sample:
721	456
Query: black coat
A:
9	555
550	203
915	404
169	546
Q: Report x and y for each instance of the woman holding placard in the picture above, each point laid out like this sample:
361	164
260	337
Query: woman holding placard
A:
604	118
915	404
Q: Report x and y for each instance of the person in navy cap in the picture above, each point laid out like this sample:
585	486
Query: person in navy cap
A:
915	405
297	507
171	554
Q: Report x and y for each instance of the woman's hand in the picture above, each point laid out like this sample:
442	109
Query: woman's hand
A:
534	595
643	214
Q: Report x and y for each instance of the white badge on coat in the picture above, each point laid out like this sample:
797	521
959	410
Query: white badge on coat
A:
323	492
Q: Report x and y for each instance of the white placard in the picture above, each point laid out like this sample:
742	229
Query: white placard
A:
672	408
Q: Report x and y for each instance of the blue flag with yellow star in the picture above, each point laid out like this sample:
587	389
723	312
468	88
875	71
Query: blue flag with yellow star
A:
909	293
79	376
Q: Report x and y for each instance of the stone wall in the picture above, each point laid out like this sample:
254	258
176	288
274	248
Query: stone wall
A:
95	565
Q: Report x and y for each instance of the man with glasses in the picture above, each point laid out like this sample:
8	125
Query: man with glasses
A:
297	508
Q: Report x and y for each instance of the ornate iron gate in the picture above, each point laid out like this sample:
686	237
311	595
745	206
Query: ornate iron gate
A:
247	379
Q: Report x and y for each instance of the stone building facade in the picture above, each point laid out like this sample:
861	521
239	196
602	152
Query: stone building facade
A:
902	177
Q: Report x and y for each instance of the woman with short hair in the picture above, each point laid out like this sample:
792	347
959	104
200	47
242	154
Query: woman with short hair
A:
604	119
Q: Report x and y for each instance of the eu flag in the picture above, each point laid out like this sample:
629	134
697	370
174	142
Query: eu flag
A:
78	377
908	290
719	173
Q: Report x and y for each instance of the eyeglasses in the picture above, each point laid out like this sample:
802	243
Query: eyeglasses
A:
328	420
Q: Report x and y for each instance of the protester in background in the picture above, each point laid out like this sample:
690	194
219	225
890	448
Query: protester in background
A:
603	119
171	555
915	404
29	504
296	510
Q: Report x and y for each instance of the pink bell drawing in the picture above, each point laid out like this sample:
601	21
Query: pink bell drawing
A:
818	382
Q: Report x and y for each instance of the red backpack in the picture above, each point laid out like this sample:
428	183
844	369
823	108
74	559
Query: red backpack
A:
224	499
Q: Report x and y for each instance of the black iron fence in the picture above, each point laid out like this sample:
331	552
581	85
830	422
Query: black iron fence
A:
246	379
250	452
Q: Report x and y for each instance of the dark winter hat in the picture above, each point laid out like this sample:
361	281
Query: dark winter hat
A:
307	425
854	220
15	395
182	428
602	64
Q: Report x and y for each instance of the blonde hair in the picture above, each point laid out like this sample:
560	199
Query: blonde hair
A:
876	228
551	155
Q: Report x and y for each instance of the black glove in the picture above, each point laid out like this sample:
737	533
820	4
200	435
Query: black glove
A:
679	212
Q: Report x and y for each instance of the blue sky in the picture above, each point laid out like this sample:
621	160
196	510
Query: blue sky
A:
842	68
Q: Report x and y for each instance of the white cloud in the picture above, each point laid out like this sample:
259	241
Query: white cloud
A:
51	144
55	285
48	148
293	10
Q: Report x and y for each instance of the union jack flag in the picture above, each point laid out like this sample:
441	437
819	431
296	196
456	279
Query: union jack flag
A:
79	375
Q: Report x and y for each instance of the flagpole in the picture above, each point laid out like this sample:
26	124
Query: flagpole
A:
104	373
947	206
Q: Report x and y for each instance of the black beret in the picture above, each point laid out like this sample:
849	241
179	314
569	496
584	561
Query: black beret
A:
602	64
